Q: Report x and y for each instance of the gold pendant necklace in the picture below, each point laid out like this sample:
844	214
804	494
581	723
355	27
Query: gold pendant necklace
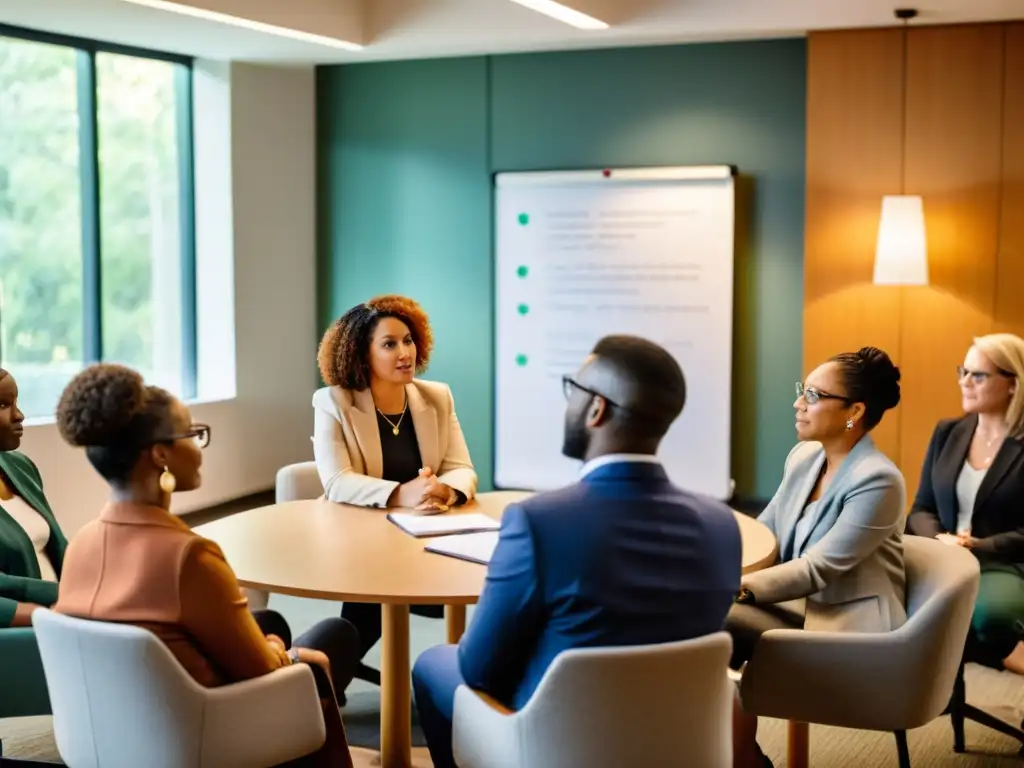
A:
394	426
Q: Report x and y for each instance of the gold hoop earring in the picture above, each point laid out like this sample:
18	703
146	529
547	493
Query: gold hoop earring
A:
849	424
167	481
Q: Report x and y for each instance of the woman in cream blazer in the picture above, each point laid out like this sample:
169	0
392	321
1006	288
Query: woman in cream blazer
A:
381	437
348	443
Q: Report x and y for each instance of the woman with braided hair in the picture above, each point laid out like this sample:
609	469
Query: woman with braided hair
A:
838	517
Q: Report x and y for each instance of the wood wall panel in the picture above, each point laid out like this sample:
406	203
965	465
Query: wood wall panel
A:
962	150
1009	309
953	158
854	150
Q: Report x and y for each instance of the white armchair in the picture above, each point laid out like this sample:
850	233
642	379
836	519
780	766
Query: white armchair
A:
121	700
668	704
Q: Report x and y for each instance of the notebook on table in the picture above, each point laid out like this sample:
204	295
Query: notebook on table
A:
474	547
442	525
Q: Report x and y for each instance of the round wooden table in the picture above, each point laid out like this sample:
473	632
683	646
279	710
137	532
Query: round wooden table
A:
330	551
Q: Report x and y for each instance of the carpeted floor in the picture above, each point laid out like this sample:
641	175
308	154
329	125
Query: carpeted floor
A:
1001	693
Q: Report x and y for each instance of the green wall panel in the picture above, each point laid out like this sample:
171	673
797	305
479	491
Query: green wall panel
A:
407	153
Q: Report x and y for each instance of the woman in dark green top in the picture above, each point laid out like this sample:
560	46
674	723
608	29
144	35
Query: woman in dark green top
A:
23	536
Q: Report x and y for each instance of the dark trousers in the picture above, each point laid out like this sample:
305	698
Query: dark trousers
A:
746	624
435	677
998	614
337	640
367	620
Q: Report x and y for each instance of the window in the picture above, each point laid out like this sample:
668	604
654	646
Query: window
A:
97	246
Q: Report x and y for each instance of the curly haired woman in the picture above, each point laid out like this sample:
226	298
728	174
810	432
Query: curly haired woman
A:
383	437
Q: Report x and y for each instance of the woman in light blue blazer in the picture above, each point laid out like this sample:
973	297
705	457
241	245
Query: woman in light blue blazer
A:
838	516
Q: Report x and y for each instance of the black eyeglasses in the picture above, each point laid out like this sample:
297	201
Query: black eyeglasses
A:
979	377
198	432
569	384
813	395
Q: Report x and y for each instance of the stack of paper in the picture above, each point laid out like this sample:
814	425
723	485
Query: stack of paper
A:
442	525
474	547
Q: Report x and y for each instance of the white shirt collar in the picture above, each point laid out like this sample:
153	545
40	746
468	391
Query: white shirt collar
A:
617	458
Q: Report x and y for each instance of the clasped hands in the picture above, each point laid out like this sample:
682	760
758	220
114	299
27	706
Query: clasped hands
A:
425	493
959	539
306	655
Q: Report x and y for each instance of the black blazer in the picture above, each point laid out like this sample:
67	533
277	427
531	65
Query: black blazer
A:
998	519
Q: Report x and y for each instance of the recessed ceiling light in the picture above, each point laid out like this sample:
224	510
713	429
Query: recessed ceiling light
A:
256	26
563	13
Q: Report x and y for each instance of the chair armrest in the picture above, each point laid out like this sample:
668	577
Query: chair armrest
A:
826	678
264	721
493	703
485	734
23	691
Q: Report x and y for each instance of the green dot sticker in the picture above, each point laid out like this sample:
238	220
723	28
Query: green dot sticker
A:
523	309
524	218
521	360
523	271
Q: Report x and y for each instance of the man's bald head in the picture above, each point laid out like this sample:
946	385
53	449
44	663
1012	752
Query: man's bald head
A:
645	391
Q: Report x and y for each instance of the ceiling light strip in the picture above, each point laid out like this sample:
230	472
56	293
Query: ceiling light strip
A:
563	13
255	26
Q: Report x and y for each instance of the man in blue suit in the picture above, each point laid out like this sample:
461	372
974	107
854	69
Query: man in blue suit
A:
622	557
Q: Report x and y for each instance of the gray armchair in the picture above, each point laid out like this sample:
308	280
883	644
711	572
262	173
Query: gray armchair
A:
889	681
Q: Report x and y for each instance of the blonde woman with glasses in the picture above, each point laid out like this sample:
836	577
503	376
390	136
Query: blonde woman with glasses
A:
972	491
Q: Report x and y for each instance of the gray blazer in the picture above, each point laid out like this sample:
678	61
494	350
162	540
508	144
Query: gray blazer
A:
850	566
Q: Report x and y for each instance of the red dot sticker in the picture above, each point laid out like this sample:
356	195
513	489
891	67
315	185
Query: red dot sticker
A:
606	173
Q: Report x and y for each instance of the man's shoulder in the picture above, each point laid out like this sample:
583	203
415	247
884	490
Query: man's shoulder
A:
583	497
544	503
713	513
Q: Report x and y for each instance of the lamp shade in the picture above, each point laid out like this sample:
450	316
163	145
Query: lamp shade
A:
901	255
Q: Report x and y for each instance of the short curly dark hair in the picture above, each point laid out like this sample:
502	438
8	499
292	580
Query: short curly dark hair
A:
344	354
110	411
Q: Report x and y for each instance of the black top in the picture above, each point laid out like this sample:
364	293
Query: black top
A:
401	452
998	518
